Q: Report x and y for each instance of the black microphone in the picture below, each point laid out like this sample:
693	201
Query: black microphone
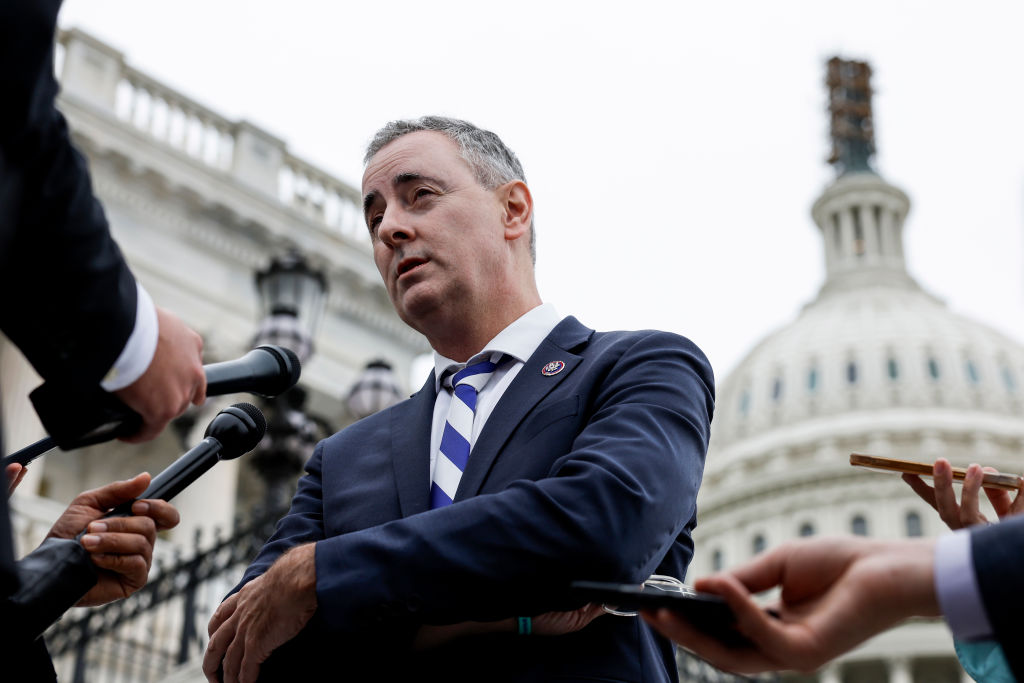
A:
74	419
265	371
233	431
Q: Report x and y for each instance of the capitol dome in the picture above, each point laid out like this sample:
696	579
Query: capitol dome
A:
872	340
876	365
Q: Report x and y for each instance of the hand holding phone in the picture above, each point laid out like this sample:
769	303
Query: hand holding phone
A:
710	613
990	480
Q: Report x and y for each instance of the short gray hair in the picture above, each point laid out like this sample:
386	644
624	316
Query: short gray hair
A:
491	161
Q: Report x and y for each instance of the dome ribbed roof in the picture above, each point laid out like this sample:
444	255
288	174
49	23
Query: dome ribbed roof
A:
873	338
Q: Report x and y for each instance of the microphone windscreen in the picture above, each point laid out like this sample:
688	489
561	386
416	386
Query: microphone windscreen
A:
289	360
256	435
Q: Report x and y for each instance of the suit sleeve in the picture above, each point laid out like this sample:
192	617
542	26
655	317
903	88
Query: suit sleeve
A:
609	509
70	298
998	554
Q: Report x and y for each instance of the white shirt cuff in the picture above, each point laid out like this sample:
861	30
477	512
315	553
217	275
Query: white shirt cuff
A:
139	349
956	586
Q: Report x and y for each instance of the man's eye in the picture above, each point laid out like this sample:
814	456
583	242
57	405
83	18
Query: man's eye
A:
423	192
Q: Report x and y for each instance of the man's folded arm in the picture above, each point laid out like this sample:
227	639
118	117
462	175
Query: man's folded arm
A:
610	509
302	524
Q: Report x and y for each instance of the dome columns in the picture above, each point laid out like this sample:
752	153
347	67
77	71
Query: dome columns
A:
861	220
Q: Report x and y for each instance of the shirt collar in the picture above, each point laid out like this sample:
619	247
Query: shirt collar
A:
519	340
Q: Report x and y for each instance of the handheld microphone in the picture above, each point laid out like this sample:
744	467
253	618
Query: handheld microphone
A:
57	574
233	431
74	419
266	371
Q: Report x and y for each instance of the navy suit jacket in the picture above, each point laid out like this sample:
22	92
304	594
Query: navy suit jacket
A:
590	473
998	555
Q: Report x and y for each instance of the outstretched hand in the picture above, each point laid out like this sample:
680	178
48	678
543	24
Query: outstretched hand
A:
120	547
967	512
14	472
836	593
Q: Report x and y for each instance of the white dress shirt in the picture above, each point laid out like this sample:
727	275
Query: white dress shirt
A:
519	340
956	586
138	351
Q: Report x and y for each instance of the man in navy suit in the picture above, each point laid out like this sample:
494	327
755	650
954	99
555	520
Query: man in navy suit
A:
587	453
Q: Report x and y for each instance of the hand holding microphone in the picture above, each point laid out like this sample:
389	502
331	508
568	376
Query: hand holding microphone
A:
173	380
110	559
77	419
234	431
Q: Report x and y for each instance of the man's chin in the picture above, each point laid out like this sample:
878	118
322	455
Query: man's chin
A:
416	307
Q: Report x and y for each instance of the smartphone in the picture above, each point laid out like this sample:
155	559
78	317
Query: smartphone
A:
991	480
710	613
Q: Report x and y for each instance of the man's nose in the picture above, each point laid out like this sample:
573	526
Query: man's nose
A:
395	227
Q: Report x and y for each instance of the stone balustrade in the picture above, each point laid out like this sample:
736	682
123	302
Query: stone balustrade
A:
97	74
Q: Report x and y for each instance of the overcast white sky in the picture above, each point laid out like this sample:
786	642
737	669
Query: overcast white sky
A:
673	148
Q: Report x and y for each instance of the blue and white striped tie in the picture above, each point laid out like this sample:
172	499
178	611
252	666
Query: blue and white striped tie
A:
458	430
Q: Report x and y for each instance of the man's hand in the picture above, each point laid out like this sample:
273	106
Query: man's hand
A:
173	380
547	624
14	472
836	593
560	623
266	613
967	512
121	547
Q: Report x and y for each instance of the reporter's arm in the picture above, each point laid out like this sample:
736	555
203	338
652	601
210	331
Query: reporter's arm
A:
836	593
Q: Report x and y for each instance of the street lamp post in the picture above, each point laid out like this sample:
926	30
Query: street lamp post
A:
292	298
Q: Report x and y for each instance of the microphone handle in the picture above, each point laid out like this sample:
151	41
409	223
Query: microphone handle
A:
177	476
224	378
87	417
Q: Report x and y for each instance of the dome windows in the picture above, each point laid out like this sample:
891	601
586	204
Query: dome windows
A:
913	524
812	379
1009	381
717	560
745	403
972	372
806	529
777	389
934	370
892	368
859	526
851	372
758	544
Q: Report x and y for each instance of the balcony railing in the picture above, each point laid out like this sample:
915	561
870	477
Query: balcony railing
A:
96	73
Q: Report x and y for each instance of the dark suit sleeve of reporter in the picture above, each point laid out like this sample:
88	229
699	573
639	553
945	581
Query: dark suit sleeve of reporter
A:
998	554
611	506
70	298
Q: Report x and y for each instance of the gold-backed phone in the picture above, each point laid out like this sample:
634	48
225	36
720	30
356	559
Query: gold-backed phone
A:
990	480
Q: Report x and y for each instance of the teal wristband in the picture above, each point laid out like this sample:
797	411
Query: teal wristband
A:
525	625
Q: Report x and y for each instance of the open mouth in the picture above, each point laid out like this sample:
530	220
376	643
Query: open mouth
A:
409	264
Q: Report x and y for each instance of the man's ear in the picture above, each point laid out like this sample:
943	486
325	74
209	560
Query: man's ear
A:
517	208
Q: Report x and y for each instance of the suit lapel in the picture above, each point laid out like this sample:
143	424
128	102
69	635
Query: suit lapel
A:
527	390
411	423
